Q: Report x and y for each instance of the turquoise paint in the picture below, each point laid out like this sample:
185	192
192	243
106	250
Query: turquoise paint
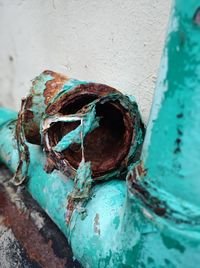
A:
88	122
165	183
82	181
171	150
126	234
157	223
88	238
38	101
6	115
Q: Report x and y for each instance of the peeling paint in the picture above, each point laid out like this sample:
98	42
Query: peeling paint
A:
50	105
156	223
96	225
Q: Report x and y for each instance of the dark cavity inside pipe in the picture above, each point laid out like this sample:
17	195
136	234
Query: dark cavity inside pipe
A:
107	145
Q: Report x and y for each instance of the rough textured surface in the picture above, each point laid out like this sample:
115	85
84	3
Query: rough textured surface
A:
113	42
28	238
167	178
51	192
172	146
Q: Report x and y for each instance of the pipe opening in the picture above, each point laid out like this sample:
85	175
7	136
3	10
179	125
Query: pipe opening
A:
77	103
106	146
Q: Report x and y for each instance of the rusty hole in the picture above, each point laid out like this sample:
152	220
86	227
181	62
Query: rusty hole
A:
77	103
107	145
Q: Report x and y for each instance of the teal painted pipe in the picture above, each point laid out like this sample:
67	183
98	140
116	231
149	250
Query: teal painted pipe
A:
155	224
64	115
166	181
97	240
119	231
86	216
171	150
6	115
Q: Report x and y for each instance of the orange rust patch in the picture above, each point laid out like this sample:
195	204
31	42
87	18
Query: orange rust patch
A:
142	171
27	234
70	209
95	89
53	86
31	129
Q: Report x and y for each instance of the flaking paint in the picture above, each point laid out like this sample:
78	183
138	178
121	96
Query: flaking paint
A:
168	175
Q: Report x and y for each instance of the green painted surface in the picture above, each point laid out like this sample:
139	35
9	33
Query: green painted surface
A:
6	115
88	122
38	101
167	192
156	222
171	150
96	240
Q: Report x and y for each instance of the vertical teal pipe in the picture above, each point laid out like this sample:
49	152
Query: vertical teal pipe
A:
165	186
171	151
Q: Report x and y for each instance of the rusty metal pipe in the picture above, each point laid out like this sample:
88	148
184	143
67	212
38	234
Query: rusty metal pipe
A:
157	224
57	106
95	230
103	132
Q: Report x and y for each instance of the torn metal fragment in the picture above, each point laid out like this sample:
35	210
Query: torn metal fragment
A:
108	122
75	120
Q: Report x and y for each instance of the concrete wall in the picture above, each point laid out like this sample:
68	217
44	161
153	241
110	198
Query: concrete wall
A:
118	42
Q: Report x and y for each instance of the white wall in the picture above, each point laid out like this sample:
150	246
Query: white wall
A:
118	42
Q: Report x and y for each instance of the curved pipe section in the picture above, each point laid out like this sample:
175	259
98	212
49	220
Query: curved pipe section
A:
97	239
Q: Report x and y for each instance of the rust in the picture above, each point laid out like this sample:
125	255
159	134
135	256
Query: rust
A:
54	86
70	209
31	129
30	124
93	89
24	156
142	171
27	234
153	203
142	190
49	165
107	146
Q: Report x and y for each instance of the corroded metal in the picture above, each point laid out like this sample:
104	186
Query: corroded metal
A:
113	132
85	233
67	199
28	238
78	121
156	223
44	87
89	132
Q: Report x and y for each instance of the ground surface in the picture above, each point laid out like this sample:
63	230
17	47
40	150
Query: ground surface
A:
28	237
